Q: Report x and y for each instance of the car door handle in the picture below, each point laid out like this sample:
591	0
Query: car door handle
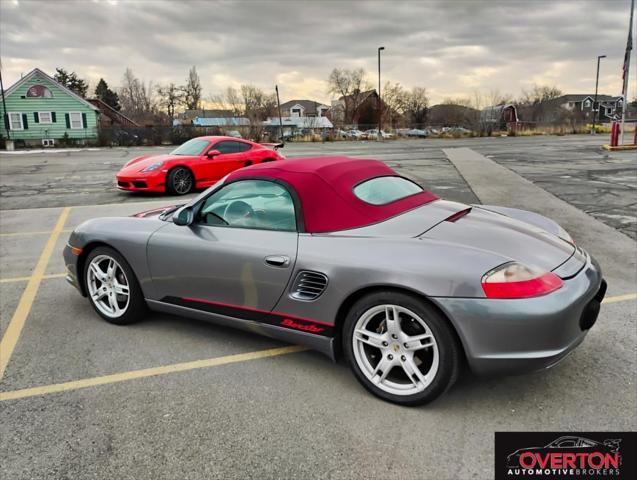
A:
277	261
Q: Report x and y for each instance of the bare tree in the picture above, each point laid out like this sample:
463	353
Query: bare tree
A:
539	94
250	102
536	103
257	105
458	101
349	86
416	106
229	100
393	101
192	90
136	97
170	96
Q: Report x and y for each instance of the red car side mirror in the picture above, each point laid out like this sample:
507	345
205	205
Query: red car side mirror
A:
213	153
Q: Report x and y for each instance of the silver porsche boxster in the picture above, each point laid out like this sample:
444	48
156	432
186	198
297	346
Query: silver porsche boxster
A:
349	258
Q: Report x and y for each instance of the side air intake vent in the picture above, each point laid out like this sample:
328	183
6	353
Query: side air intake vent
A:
308	285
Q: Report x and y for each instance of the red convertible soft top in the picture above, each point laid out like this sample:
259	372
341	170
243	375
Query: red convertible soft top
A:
325	186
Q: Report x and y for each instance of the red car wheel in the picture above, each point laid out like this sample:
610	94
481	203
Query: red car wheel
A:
179	181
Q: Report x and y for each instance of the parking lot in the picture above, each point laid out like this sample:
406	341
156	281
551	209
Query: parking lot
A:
177	398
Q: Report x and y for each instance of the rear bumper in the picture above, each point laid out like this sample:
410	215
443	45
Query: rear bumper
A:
144	183
523	335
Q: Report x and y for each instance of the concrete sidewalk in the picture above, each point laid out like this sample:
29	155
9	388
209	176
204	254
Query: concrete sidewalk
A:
494	184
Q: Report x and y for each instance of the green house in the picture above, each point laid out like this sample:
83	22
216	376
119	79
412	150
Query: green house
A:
42	112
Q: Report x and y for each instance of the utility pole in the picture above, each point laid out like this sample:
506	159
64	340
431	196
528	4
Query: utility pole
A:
4	108
595	110
278	102
380	105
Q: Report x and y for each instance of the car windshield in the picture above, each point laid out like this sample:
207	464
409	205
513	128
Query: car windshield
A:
384	190
195	146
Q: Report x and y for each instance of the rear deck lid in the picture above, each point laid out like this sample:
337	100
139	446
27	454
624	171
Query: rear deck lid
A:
502	235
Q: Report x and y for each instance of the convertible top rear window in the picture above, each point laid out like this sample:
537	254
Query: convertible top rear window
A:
384	190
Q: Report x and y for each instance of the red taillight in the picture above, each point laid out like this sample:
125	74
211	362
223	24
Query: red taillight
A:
514	280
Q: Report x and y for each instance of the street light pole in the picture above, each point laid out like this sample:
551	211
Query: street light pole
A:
595	110
380	111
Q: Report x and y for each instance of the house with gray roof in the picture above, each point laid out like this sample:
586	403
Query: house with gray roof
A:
304	108
608	106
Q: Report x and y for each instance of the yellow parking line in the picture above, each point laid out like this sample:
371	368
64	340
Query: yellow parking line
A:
26	234
21	313
148	372
620	298
26	279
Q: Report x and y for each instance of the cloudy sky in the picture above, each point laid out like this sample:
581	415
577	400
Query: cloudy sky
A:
453	48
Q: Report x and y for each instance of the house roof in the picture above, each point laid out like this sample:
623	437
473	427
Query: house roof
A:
203	113
363	95
580	97
325	187
310	106
37	71
109	111
221	122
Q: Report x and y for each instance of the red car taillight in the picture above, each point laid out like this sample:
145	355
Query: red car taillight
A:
515	280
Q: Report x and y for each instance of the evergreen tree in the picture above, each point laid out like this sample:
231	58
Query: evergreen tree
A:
71	81
106	95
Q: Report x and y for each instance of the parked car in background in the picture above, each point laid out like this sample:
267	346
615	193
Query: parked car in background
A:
234	134
456	130
373	134
416	132
198	163
354	133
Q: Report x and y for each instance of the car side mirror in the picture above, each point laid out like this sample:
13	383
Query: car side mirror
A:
213	153
184	216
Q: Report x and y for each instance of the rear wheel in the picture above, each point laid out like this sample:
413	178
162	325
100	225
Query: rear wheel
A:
112	288
400	348
179	181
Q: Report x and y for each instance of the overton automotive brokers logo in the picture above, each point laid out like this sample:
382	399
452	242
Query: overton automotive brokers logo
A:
565	455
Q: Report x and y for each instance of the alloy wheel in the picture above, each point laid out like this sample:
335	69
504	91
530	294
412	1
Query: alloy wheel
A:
395	349
108	286
182	181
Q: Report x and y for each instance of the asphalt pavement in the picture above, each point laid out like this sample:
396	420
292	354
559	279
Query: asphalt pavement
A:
176	398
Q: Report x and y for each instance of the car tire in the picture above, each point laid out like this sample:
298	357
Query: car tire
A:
425	341
131	306
179	181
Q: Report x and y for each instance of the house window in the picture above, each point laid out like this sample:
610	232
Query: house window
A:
39	91
587	103
15	121
76	120
296	112
45	117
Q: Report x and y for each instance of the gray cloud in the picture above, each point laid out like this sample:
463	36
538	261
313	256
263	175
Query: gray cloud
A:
451	47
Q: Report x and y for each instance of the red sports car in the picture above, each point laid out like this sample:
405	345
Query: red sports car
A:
198	163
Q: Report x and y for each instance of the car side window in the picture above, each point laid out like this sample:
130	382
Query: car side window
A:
567	443
229	146
258	204
242	147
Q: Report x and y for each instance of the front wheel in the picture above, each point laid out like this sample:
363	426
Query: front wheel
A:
112	288
179	181
400	348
